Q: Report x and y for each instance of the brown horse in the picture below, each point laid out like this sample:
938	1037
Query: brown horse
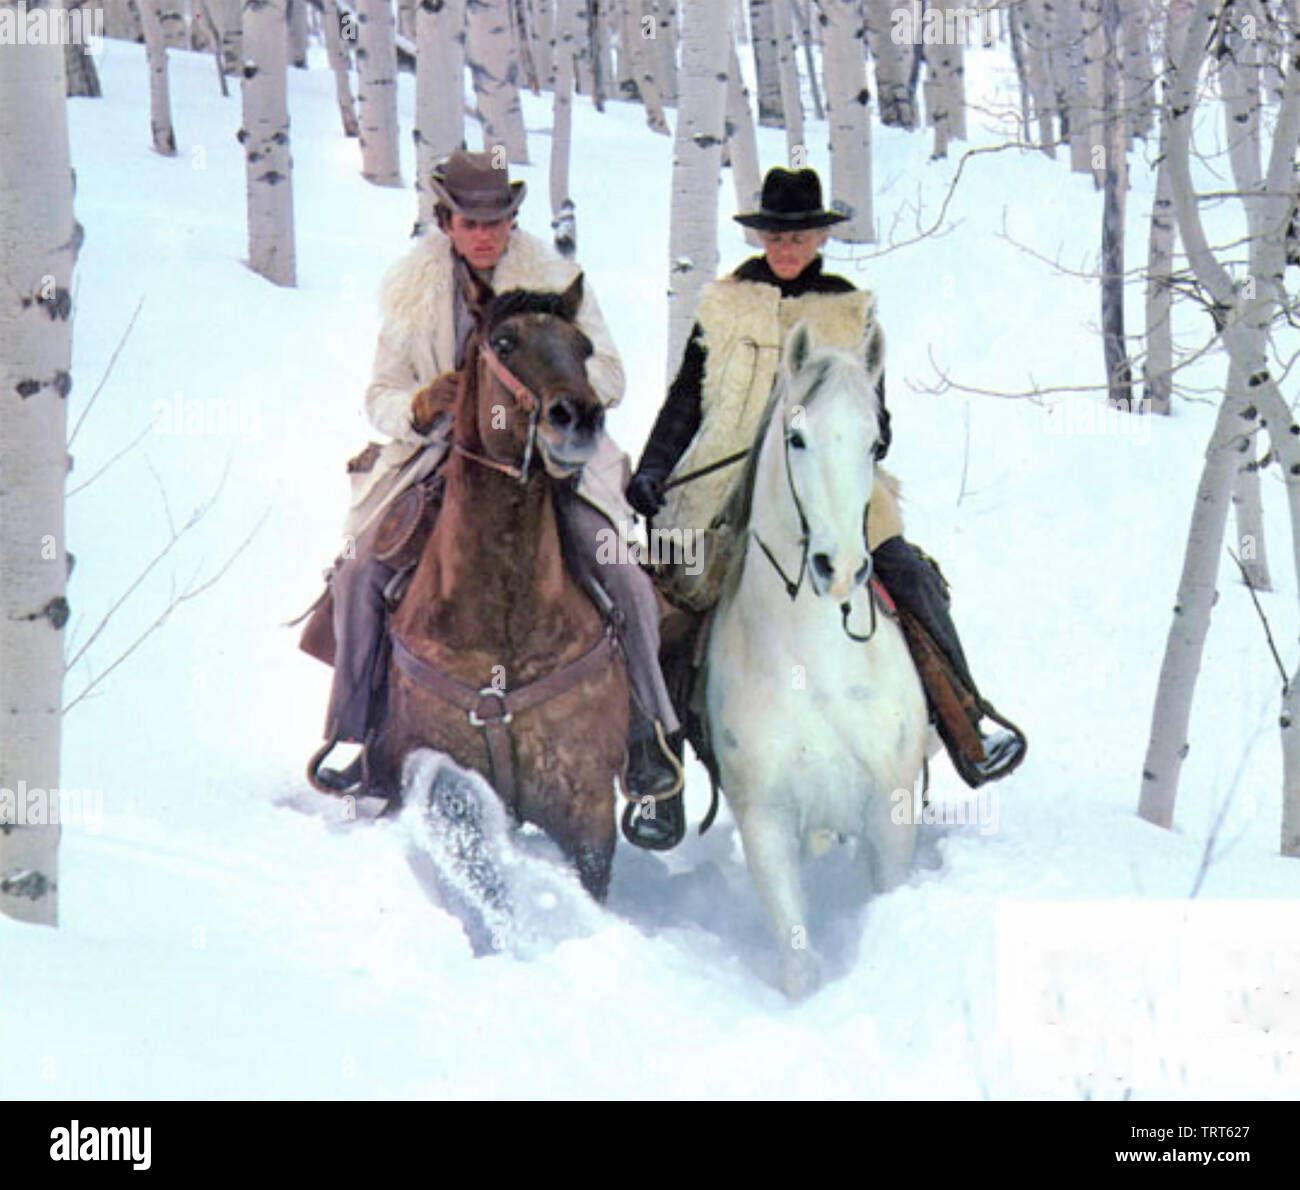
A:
499	658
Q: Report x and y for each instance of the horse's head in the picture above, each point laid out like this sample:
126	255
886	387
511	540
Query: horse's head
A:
532	390
835	429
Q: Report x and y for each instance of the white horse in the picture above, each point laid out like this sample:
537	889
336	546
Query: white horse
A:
815	711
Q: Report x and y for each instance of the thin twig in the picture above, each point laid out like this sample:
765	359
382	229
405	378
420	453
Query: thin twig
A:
965	456
200	511
140	437
1263	619
107	371
174	602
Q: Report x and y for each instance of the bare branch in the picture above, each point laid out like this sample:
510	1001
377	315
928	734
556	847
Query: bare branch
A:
107	372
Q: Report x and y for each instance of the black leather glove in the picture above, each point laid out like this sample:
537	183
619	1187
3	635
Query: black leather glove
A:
646	493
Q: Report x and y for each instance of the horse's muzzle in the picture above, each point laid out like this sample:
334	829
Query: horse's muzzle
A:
840	582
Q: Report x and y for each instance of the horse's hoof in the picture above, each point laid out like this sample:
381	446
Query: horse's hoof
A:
656	826
801	974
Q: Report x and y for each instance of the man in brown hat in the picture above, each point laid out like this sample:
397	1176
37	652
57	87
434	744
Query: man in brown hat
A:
713	410
428	300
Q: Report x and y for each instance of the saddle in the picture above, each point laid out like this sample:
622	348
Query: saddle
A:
398	542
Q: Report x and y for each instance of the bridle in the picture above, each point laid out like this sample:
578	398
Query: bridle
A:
525	399
792	586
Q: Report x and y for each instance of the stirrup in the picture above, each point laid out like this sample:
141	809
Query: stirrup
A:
338	782
974	773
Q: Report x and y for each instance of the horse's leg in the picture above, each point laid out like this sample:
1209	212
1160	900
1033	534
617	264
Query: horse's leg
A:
888	839
772	855
580	820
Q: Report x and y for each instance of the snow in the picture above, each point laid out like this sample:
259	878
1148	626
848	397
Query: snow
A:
226	932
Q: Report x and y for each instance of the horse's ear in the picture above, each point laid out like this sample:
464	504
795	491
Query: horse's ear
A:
798	346
873	350
572	299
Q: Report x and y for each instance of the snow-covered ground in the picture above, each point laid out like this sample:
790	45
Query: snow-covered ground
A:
225	932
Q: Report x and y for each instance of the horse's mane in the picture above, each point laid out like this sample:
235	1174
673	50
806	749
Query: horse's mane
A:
526	301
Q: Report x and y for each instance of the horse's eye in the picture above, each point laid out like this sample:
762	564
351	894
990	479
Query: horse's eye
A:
796	440
503	345
878	451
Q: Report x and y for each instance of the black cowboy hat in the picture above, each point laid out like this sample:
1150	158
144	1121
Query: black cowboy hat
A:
791	201
470	185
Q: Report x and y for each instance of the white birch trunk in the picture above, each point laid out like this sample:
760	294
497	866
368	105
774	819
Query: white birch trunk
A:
602	26
895	63
1119	373
1139	73
803	15
666	43
742	141
563	219
1068	23
121	21
229	15
544	47
83	78
697	155
767	72
336	47
1036	40
496	78
584	59
377	92
1240	84
848	103
406	19
945	94
298	33
160	112
787	63
439	91
1094	130
626	19
172	21
265	137
1158	368
1246	314
644	61
37	255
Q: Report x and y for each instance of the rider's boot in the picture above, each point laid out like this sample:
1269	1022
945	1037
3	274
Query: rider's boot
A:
920	591
655	817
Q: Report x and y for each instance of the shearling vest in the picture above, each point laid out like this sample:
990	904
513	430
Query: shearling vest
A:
744	325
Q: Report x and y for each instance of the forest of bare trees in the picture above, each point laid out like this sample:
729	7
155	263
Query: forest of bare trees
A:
1103	85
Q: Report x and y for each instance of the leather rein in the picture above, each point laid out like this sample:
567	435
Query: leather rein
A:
525	399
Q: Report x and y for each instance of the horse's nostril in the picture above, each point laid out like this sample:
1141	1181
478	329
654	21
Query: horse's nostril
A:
560	414
822	565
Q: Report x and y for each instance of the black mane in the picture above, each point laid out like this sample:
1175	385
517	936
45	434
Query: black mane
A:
526	301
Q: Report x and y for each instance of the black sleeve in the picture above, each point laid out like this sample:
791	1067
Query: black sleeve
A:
886	434
679	418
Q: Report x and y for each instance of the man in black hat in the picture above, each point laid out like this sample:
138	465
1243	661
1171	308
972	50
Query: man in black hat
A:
429	301
716	401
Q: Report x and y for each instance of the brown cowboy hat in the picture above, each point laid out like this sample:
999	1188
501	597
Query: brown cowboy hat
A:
469	185
791	201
